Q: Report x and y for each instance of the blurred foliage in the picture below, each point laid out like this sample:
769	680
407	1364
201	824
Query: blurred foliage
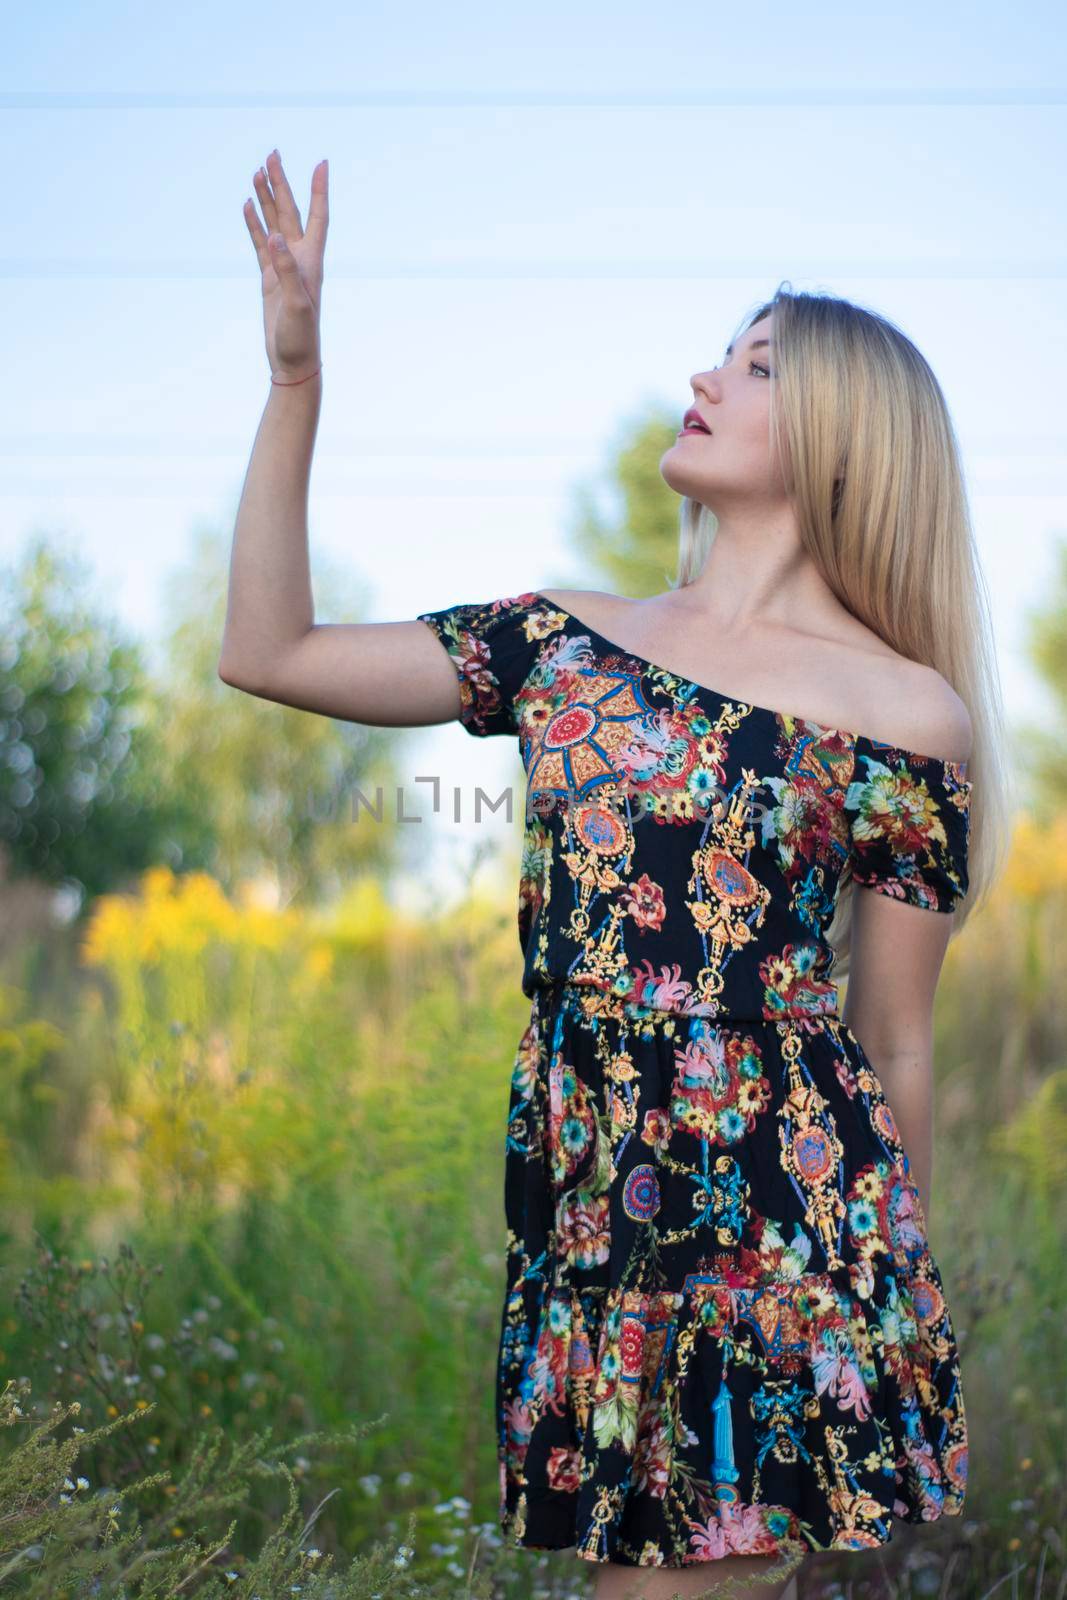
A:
103	773
1042	744
322	1089
80	756
1037	1137
633	545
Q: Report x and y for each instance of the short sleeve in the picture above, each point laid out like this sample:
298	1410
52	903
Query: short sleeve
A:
493	645
909	821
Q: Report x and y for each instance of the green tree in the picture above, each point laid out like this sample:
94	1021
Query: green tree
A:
78	734
105	770
633	546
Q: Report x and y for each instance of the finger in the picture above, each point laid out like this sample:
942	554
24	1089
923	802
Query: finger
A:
266	199
259	237
318	208
288	214
288	272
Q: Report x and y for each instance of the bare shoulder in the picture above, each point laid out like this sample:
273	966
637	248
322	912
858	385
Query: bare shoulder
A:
920	710
906	702
590	604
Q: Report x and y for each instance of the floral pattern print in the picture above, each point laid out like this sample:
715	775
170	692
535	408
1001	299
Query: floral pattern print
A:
723	1329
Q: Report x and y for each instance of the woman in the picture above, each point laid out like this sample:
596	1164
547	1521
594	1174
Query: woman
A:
725	1340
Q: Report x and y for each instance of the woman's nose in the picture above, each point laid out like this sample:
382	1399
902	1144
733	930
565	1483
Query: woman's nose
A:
706	382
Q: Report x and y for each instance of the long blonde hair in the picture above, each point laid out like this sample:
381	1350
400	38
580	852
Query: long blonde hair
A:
872	467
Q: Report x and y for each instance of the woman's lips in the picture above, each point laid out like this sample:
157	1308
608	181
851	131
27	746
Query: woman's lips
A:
701	433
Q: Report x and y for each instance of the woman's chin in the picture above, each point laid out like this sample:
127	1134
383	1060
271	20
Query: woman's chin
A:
679	475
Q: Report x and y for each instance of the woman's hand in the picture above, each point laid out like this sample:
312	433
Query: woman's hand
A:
290	257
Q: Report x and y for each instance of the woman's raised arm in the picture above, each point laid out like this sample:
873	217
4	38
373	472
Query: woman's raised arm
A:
390	674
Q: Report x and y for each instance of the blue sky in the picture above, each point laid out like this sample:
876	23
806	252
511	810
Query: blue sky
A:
542	221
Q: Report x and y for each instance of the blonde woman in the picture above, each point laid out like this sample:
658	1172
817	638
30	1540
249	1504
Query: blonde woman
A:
725	1343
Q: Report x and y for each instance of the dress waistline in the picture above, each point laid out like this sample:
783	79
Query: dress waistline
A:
594	1000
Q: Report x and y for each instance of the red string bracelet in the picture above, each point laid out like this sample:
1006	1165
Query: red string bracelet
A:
290	383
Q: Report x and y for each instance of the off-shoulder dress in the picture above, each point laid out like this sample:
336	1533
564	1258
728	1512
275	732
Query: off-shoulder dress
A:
723	1330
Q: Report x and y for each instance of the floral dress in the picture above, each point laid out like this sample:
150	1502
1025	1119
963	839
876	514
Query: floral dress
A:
723	1330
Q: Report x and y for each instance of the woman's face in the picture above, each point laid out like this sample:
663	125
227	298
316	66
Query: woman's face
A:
731	462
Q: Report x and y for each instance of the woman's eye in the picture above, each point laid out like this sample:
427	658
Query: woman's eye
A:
758	368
